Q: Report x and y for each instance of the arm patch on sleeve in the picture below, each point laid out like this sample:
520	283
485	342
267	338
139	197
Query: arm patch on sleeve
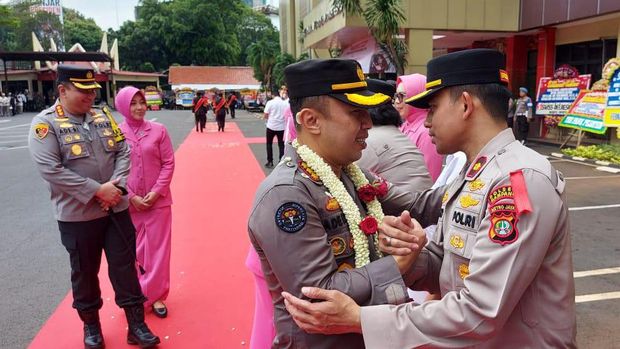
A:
291	217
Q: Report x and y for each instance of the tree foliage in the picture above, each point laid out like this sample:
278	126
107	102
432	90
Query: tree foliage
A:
82	30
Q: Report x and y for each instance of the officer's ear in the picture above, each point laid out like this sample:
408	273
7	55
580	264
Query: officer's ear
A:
308	118
467	101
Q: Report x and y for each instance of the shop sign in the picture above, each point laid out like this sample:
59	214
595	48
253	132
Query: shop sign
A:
555	96
612	110
586	113
333	12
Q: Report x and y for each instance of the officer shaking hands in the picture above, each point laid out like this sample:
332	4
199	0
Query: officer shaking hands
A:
501	255
82	155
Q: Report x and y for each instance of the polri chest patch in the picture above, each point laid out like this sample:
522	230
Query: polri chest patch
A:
291	217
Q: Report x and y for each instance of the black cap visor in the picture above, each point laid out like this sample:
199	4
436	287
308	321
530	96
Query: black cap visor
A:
421	99
363	98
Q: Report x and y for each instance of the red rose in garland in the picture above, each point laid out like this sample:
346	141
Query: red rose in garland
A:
369	225
381	187
367	193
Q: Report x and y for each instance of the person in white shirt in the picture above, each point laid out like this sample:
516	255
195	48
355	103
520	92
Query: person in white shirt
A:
274	114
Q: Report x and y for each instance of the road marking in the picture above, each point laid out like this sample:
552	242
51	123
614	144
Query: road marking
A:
14	126
153	119
604	271
608	169
584	208
3	121
593	177
597	297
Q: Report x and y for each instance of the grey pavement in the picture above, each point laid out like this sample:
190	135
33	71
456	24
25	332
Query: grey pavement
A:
34	267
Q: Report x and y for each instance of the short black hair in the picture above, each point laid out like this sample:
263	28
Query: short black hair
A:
494	97
314	102
385	114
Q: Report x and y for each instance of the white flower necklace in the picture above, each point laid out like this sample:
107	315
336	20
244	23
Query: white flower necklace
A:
344	199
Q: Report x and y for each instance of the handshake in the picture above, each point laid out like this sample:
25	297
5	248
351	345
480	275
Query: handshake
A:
403	238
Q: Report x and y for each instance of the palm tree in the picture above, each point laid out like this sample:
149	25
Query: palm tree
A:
383	18
262	56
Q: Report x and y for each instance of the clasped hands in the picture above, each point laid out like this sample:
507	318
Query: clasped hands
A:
108	195
144	203
402	237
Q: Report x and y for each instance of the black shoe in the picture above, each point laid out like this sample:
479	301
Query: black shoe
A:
269	164
138	333
160	312
93	339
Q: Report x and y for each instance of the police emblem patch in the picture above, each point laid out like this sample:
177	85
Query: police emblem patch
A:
41	130
338	246
503	228
291	217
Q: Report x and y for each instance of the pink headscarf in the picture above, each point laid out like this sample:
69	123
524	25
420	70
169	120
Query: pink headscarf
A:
413	126
123	103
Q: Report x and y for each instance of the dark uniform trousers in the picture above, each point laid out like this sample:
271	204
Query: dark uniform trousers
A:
85	241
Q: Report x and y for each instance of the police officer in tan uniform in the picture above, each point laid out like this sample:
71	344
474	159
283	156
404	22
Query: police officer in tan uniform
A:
82	155
501	256
300	226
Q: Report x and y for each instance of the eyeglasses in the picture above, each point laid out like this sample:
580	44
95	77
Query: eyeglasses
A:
399	97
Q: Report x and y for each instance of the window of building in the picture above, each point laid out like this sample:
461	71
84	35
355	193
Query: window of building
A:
588	57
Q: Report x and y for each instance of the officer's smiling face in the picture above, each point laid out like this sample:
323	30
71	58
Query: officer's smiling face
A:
344	132
75	100
444	122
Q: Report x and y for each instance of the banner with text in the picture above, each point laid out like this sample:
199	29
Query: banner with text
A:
555	96
612	110
586	113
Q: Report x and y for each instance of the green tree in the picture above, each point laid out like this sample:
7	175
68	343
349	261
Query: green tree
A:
282	60
262	57
384	18
253	27
79	29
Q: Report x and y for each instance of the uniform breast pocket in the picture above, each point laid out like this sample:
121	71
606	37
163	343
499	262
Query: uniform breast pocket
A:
107	139
74	147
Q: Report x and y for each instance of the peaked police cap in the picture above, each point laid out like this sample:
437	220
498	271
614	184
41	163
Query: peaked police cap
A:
82	78
342	79
469	67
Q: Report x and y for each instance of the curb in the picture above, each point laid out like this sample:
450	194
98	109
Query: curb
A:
603	165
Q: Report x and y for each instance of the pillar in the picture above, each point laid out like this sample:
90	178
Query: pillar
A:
546	54
516	61
420	44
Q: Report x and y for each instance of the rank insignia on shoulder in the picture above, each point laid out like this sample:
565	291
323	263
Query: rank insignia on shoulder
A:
476	185
41	130
309	172
60	112
291	217
344	266
477	166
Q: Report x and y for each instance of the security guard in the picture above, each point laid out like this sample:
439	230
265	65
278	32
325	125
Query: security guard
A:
501	256
82	155
301	224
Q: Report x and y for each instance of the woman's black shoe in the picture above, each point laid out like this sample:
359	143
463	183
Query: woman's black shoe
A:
160	312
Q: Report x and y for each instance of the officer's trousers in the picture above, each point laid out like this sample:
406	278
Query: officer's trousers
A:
85	241
523	127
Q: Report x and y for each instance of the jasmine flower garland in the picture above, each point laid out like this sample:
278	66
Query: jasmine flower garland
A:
344	199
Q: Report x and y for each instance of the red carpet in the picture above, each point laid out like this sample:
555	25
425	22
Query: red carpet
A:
211	299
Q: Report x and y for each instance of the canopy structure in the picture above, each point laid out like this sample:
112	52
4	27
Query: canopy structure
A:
206	78
56	56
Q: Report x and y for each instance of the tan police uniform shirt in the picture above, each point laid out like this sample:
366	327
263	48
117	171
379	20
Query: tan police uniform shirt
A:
392	156
302	239
505	274
75	155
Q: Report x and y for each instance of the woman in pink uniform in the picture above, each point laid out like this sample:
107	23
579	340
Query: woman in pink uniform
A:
152	166
413	121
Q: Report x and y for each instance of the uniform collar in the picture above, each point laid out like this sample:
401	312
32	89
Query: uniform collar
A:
488	152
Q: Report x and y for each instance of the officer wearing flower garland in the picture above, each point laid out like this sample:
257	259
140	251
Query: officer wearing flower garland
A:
81	153
315	218
501	255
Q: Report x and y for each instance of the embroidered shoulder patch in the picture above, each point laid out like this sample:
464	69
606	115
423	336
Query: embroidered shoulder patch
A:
504	219
291	217
41	130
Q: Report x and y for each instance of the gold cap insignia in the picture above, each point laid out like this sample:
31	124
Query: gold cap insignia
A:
360	73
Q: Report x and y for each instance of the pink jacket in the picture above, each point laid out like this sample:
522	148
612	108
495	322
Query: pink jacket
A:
152	161
413	126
